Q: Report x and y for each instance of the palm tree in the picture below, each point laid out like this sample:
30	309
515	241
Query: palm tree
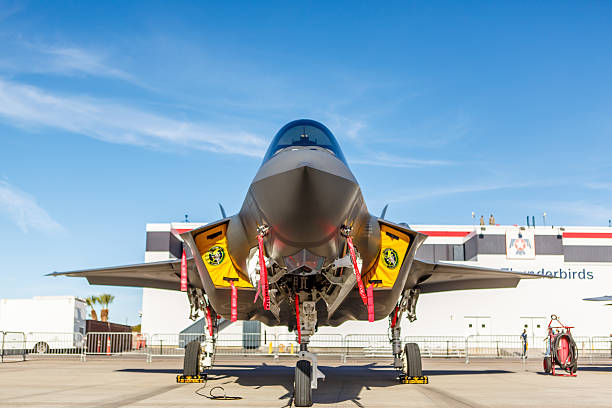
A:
105	299
91	301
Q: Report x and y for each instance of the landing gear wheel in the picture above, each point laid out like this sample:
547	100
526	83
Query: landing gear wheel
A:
412	360
547	364
302	396
41	348
191	361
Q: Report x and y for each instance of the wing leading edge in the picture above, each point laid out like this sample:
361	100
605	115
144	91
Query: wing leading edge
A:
600	299
159	275
442	277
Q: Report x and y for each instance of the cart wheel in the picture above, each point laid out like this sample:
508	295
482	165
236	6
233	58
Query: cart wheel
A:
547	364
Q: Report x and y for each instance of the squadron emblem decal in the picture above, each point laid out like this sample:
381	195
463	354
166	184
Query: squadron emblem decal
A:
215	255
390	258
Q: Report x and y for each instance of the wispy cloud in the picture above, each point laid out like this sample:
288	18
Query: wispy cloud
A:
586	212
32	107
437	132
471	188
66	60
388	160
599	186
22	209
344	126
73	60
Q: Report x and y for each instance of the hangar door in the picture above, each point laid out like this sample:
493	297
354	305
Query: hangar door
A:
536	329
477	325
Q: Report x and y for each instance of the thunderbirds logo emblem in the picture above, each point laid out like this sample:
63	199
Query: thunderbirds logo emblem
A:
215	255
390	258
520	244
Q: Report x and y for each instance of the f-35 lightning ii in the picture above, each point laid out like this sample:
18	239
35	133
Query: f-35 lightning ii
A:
305	245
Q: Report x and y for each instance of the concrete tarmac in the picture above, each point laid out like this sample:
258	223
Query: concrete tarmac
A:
123	382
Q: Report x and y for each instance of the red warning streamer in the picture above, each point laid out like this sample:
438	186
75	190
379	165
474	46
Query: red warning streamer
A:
297	317
362	292
394	319
263	274
184	272
209	321
234	303
371	302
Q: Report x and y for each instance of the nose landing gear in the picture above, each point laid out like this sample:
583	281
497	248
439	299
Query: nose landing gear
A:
307	373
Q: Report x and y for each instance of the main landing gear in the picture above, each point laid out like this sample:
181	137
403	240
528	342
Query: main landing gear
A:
199	353
408	359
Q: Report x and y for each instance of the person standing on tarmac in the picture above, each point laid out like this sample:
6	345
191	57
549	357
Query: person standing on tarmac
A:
524	339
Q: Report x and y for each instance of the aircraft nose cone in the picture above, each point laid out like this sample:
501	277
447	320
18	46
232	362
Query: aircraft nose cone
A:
305	204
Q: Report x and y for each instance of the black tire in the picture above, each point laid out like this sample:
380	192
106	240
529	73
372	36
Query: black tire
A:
41	348
302	395
412	360
191	361
547	365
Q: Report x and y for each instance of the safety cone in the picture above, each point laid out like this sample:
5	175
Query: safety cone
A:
108	348
98	347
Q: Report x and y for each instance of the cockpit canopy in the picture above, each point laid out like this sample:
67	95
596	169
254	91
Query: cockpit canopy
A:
304	133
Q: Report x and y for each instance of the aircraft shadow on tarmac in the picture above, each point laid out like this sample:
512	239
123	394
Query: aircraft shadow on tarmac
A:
342	383
596	368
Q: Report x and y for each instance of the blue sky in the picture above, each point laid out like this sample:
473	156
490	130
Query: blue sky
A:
113	115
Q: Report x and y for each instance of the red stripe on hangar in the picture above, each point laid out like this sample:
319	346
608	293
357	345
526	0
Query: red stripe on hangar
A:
587	235
445	233
181	230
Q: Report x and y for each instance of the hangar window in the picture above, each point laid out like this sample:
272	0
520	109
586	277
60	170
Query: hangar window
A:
304	133
526	326
470	325
538	326
483	325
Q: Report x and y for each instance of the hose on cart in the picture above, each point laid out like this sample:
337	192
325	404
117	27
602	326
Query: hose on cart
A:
569	362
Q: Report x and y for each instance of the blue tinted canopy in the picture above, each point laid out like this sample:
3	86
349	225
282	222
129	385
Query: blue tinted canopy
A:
304	133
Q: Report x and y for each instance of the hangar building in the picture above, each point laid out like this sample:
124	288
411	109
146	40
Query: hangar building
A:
579	259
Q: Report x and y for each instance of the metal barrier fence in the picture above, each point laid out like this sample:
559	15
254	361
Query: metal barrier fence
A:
110	344
20	345
54	344
367	345
440	346
13	345
601	347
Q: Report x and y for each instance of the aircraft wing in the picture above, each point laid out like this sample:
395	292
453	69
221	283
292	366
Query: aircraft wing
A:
600	299
441	277
159	275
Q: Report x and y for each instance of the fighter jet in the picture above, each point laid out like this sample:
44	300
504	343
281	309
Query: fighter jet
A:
302	252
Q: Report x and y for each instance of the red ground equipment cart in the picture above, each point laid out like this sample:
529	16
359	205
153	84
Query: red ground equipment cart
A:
561	349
